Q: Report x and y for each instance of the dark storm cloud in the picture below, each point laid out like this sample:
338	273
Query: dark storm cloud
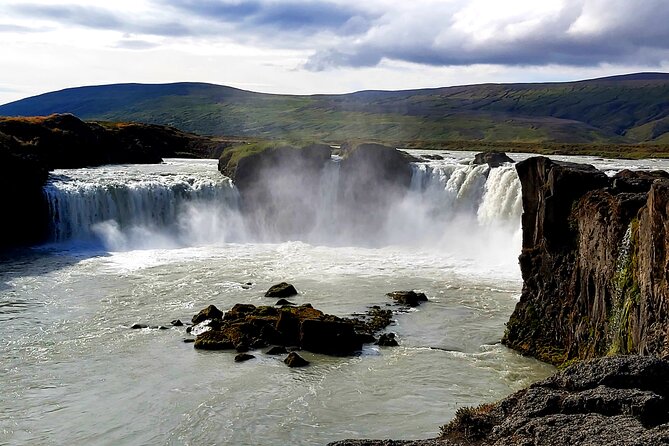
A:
285	16
581	33
99	18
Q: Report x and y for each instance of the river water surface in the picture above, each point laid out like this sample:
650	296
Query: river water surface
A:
150	244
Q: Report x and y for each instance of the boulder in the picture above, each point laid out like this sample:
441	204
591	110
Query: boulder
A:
213	340
211	312
284	302
492	159
387	340
331	337
295	360
409	298
243	357
282	289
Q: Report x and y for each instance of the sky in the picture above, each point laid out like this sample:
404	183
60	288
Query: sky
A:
325	46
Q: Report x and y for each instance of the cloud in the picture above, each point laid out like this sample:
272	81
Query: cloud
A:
100	18
288	17
346	33
459	33
135	44
9	28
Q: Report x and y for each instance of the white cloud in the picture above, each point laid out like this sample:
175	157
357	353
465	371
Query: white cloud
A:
310	46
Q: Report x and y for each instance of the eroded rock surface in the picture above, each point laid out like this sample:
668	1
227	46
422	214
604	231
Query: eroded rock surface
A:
620	400
246	326
593	262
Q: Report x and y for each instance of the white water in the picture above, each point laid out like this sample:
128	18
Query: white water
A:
154	243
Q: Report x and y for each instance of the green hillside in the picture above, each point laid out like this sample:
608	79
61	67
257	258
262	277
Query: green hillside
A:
622	109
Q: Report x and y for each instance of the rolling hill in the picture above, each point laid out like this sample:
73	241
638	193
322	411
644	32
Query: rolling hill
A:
625	109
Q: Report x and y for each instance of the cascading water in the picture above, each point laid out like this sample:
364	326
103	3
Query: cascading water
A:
449	204
132	206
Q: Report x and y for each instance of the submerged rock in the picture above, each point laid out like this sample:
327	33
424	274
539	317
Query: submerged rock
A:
177	323
409	298
138	326
295	360
284	302
282	289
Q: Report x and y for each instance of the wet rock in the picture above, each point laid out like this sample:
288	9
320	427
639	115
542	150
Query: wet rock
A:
332	337
138	326
247	285
189	340
387	340
246	326
282	289
213	340
211	312
409	298
295	360
593	263
243	357
492	159
277	350
284	302
177	323
616	400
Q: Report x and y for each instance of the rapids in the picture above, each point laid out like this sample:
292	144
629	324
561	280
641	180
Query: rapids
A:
154	243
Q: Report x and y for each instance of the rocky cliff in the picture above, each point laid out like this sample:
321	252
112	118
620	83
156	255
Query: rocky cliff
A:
593	262
30	147
290	192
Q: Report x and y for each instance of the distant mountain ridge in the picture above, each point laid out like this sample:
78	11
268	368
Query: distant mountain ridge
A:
630	108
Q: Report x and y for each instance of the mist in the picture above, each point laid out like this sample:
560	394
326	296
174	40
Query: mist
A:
471	212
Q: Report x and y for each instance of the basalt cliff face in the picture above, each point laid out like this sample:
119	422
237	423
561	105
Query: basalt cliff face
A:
594	263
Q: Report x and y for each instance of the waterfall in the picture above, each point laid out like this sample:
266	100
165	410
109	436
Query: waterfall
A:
457	207
122	208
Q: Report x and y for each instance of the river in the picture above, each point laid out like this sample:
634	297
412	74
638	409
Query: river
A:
154	243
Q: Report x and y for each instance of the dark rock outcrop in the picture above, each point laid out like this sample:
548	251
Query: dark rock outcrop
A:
303	326
295	360
616	400
409	298
492	159
593	262
281	186
387	340
211	312
278	186
242	357
282	289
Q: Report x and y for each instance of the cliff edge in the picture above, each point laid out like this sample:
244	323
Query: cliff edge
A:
593	262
